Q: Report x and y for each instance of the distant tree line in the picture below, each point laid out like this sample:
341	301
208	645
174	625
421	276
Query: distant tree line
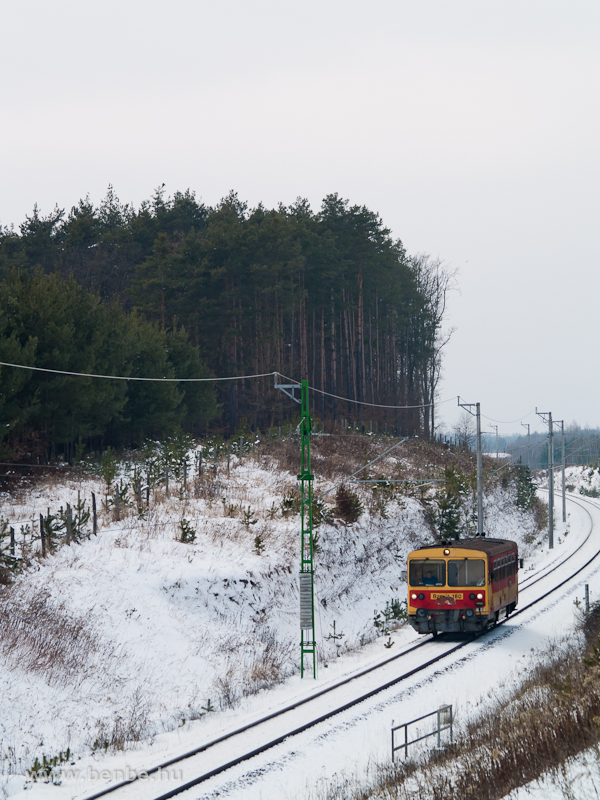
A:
183	289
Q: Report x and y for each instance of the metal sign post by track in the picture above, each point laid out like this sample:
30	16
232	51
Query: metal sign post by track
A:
305	477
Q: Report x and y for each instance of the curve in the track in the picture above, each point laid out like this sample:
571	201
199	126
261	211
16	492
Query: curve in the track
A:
246	756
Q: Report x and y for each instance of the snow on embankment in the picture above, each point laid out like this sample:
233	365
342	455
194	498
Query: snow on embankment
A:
133	632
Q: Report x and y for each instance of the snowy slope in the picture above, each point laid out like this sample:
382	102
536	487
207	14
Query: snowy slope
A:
132	633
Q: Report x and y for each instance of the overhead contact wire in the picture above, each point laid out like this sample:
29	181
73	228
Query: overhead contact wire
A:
132	378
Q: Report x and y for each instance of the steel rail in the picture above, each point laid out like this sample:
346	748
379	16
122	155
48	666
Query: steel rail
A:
268	745
196	751
552	566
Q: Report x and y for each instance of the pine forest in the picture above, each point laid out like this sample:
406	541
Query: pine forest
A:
181	290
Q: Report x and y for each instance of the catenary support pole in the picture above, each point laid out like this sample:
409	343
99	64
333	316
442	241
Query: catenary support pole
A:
527	425
307	602
564	463
477	415
305	477
479	476
551	483
547	417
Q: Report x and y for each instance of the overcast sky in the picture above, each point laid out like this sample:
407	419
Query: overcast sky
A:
472	127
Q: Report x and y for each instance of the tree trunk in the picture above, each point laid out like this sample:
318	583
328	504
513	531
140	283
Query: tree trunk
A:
333	359
360	380
323	361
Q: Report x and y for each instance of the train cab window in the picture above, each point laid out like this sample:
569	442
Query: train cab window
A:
426	572
466	572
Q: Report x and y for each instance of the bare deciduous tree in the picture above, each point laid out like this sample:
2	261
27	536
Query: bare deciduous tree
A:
465	431
434	281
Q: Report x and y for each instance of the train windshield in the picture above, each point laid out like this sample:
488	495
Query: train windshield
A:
426	572
466	572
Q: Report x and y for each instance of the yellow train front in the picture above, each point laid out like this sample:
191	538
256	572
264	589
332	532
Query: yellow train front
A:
462	585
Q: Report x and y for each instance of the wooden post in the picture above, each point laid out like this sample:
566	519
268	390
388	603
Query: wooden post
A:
148	490
94	516
138	491
167	479
269	435
200	462
185	474
117	502
12	542
228	454
69	524
43	536
241	447
215	460
279	437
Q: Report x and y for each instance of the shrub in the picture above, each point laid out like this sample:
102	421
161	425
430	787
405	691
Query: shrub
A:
291	503
188	534
348	507
450	504
540	515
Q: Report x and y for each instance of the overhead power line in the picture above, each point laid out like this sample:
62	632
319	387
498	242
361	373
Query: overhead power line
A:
377	405
507	421
208	380
132	378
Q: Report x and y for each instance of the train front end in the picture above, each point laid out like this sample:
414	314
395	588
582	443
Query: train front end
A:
450	587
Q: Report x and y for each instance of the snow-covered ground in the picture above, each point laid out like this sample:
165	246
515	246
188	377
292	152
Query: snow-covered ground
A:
133	636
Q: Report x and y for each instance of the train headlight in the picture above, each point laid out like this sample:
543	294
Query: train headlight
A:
446	552
413	596
479	595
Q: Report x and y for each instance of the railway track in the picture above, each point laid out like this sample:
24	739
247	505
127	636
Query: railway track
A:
444	646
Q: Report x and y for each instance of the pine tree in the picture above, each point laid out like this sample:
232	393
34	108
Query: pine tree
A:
526	494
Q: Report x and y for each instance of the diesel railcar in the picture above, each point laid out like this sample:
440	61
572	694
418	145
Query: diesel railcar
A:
462	585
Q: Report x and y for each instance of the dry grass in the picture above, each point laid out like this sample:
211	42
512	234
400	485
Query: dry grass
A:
269	665
116	732
41	636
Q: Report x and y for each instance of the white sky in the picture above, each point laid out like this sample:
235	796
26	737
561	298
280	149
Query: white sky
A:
471	126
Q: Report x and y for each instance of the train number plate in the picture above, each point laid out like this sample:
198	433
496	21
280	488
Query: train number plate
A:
453	596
